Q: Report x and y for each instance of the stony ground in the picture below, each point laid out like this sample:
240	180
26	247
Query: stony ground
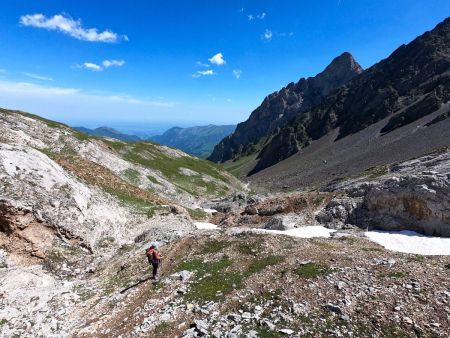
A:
239	284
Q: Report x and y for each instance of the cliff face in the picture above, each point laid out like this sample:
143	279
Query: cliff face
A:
280	107
411	83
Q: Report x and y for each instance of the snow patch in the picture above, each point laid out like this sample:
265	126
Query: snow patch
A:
210	211
410	242
303	232
206	226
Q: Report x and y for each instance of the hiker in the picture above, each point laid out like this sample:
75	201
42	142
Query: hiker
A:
154	258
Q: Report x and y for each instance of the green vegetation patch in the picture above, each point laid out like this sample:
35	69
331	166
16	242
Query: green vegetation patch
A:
249	248
214	246
235	167
197	214
132	175
260	264
312	270
211	281
116	145
162	328
137	203
150	156
153	180
105	242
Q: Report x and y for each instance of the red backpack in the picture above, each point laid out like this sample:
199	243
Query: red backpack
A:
149	252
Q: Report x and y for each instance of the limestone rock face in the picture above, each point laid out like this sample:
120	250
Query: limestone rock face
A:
420	203
281	223
414	195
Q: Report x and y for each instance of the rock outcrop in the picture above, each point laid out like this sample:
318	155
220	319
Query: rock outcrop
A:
414	195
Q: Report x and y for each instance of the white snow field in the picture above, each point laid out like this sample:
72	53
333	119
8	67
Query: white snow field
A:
410	242
303	232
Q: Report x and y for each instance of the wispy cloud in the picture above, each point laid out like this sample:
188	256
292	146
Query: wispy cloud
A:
100	67
237	73
252	17
32	90
71	27
201	64
38	77
113	63
217	59
267	35
35	89
92	66
200	73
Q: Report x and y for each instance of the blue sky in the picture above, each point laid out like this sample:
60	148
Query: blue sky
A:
185	62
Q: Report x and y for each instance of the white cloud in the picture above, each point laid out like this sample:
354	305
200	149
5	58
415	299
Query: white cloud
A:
100	67
38	77
217	59
267	35
252	17
92	66
70	27
286	34
200	73
261	16
237	73
111	63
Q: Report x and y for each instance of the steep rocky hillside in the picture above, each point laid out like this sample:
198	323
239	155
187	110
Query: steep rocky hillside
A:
70	202
197	141
280	107
412	83
156	169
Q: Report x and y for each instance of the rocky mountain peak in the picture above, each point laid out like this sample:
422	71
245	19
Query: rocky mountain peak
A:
341	70
280	107
342	63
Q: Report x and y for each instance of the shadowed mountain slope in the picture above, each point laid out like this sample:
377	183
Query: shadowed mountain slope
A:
411	83
280	107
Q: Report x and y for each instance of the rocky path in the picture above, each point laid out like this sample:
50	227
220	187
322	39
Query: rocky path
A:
242	284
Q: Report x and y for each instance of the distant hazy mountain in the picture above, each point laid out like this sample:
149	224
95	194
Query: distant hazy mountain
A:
108	132
197	141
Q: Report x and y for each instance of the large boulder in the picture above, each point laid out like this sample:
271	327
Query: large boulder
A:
413	202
